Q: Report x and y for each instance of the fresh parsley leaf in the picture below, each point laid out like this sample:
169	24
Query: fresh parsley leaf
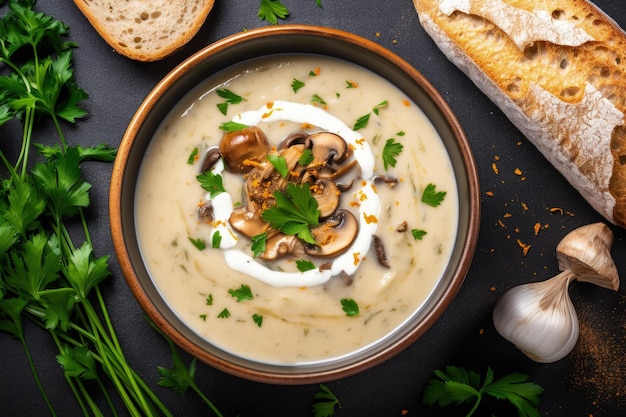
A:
296	85
258	319
230	127
432	197
209	300
350	307
193	156
317	99
304	265
224	314
319	3
324	402
78	361
418	234
280	164
306	158
259	243
216	240
198	243
230	98
379	106
242	293
361	122
351	84
272	10
456	385
295	212
390	151
211	182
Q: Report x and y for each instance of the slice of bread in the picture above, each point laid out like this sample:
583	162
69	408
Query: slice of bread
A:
146	30
556	69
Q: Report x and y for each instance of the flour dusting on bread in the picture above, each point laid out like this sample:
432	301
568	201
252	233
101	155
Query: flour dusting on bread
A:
555	68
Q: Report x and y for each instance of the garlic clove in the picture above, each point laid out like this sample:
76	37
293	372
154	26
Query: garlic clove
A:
539	318
586	252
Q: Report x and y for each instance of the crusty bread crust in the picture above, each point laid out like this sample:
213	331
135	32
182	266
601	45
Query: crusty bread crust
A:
557	69
146	30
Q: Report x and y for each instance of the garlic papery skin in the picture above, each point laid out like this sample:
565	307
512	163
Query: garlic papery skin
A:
539	318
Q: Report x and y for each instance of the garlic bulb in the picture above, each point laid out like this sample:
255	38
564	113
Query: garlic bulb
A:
539	318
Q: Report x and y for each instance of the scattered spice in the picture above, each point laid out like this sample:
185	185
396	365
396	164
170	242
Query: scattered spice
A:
524	246
600	355
495	168
489	193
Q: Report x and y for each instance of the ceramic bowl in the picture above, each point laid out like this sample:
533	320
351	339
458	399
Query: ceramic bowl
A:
287	39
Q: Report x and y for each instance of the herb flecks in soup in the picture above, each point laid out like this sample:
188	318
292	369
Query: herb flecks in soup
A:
296	209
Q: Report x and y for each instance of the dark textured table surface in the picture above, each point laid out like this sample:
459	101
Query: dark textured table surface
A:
591	381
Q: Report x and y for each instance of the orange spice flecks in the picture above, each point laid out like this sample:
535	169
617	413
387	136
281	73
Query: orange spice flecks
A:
556	210
489	193
370	218
357	257
360	141
517	172
306	126
317	71
494	167
524	206
525	247
507	215
537	228
407	103
353	84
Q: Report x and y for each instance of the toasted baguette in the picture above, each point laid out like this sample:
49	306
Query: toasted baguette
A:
557	70
146	30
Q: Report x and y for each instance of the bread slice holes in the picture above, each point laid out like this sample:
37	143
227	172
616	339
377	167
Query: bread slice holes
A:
558	14
514	86
564	63
144	16
570	91
155	15
605	72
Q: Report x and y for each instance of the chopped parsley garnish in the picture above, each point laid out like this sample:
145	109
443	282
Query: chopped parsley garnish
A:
242	293
379	106
272	10
203	317
224	314
296	85
351	84
457	386
350	307
306	158
280	164
432	197
324	402
304	265
295	212
401	133
390	151
229	127
216	240
259	243
198	243
193	156
209	300
258	319
317	99
418	234
230	97
211	183
361	122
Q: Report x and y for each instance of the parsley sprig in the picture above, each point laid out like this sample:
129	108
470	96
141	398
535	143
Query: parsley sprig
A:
455	385
324	402
295	212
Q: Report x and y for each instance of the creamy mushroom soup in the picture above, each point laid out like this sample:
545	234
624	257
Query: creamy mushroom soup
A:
295	209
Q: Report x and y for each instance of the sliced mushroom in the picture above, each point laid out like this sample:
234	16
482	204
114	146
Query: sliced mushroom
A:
205	211
211	157
281	245
335	235
380	251
297	138
328	147
249	144
327	171
326	193
248	223
390	181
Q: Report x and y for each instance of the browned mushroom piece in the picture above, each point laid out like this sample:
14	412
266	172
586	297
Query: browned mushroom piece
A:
205	211
211	157
381	254
246	222
328	147
335	235
280	245
390	181
326	193
248	144
297	138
